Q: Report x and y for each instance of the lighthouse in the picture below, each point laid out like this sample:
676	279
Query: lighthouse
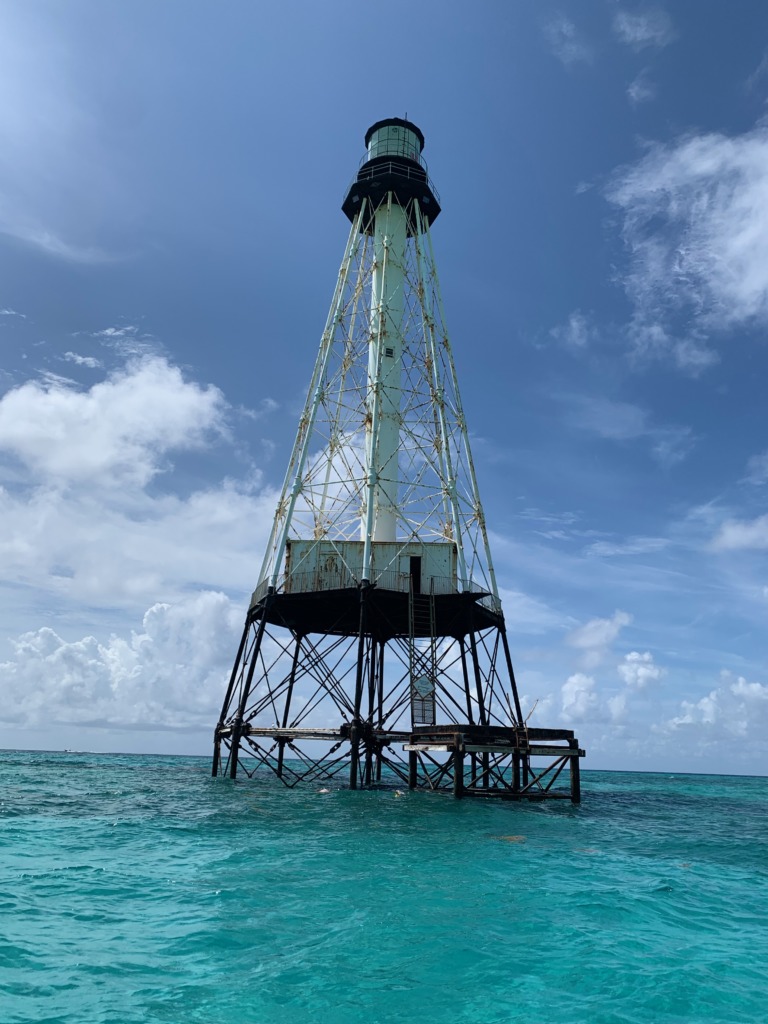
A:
375	649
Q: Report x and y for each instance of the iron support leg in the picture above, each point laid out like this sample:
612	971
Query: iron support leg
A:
413	768
575	774
458	771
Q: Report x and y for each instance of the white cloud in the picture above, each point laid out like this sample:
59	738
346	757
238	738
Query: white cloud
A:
39	237
735	708
757	469
595	637
527	615
579	700
617	707
638	670
617	421
89	361
55	177
641	29
641	89
169	675
567	43
737	535
758	75
623	421
116	433
12	312
81	532
696	228
633	546
578	332
672	444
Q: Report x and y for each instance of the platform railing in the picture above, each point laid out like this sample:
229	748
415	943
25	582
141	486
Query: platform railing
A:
388	579
398	168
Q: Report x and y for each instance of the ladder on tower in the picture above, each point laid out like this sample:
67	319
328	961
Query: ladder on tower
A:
422	655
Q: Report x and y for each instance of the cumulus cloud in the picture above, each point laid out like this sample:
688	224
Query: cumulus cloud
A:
638	670
594	638
644	28
617	707
115	433
170	674
578	697
91	515
567	43
735	708
695	224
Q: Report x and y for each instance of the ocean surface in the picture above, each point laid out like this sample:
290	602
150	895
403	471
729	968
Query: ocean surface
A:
136	890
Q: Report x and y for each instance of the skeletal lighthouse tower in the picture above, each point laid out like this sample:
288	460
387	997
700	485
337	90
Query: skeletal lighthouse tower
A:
374	647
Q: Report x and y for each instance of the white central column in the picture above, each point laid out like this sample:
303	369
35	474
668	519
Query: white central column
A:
385	369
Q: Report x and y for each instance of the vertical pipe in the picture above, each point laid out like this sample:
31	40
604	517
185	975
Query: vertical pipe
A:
413	769
385	361
354	732
458	769
287	708
380	707
575	772
513	682
478	679
465	674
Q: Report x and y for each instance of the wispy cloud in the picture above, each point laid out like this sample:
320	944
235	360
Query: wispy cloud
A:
742	535
53	168
651	27
89	361
567	43
12	312
623	421
641	89
759	74
695	224
757	469
15	226
634	546
577	332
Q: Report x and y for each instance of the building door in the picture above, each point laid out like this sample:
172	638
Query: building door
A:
415	571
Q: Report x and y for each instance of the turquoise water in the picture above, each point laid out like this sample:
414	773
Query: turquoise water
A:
136	890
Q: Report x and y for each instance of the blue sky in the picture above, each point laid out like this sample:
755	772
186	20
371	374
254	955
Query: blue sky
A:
170	232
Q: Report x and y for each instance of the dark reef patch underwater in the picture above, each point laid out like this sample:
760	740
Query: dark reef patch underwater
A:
136	890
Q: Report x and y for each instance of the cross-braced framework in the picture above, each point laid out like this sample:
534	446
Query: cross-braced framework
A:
374	649
328	492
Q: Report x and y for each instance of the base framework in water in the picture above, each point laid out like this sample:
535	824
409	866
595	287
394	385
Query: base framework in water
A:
137	890
431	701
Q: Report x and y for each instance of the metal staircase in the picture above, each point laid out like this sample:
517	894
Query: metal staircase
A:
423	656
